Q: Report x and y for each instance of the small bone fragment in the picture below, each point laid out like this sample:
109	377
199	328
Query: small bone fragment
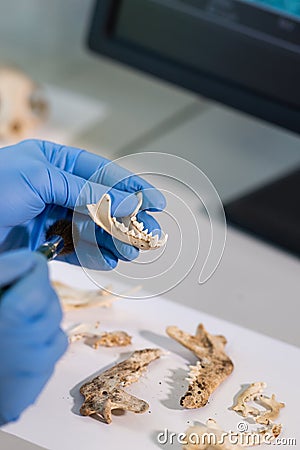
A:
104	393
247	396
96	338
208	437
212	437
254	393
73	298
213	367
110	339
272	406
129	229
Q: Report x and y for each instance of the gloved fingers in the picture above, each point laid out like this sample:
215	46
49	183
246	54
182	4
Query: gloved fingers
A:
41	329
18	392
62	156
14	265
27	355
69	190
111	174
30	296
91	257
52	351
100	170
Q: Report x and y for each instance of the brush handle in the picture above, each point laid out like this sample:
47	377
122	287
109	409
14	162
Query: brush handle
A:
49	249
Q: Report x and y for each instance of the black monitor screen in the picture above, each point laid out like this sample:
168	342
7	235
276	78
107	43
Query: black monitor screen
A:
245	53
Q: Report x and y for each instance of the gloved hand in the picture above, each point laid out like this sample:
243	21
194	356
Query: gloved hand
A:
40	182
31	340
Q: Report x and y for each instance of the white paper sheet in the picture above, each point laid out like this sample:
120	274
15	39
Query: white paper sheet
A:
54	421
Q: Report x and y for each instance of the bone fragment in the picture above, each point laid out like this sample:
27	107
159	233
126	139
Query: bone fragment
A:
213	367
104	393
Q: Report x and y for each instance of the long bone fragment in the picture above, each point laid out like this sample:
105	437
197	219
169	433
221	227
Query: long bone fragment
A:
104	393
128	229
213	367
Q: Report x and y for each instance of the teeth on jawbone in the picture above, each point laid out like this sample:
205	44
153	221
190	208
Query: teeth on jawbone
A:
123	228
145	231
140	226
154	241
150	234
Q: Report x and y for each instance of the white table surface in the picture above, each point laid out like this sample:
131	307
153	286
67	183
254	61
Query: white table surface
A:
54	421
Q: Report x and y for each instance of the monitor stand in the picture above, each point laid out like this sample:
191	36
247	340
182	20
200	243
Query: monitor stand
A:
271	212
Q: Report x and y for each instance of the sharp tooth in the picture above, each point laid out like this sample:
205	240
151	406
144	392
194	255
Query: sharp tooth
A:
141	226
123	228
150	234
131	233
139	235
145	231
154	241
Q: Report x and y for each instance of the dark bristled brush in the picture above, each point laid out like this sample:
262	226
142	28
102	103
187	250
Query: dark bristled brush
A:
61	238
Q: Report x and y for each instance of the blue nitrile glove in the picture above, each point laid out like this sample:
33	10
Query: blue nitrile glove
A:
31	340
40	182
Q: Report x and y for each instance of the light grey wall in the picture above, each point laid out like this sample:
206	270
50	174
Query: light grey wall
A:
43	29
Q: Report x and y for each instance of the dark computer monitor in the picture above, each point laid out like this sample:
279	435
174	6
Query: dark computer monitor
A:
243	53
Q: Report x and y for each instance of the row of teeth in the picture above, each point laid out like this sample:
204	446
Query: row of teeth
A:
141	233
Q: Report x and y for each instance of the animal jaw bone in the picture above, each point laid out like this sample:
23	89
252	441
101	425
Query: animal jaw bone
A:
213	367
212	437
129	230
104	393
254	393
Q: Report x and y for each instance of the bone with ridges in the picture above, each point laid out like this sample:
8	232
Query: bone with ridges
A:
104	393
213	367
132	233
